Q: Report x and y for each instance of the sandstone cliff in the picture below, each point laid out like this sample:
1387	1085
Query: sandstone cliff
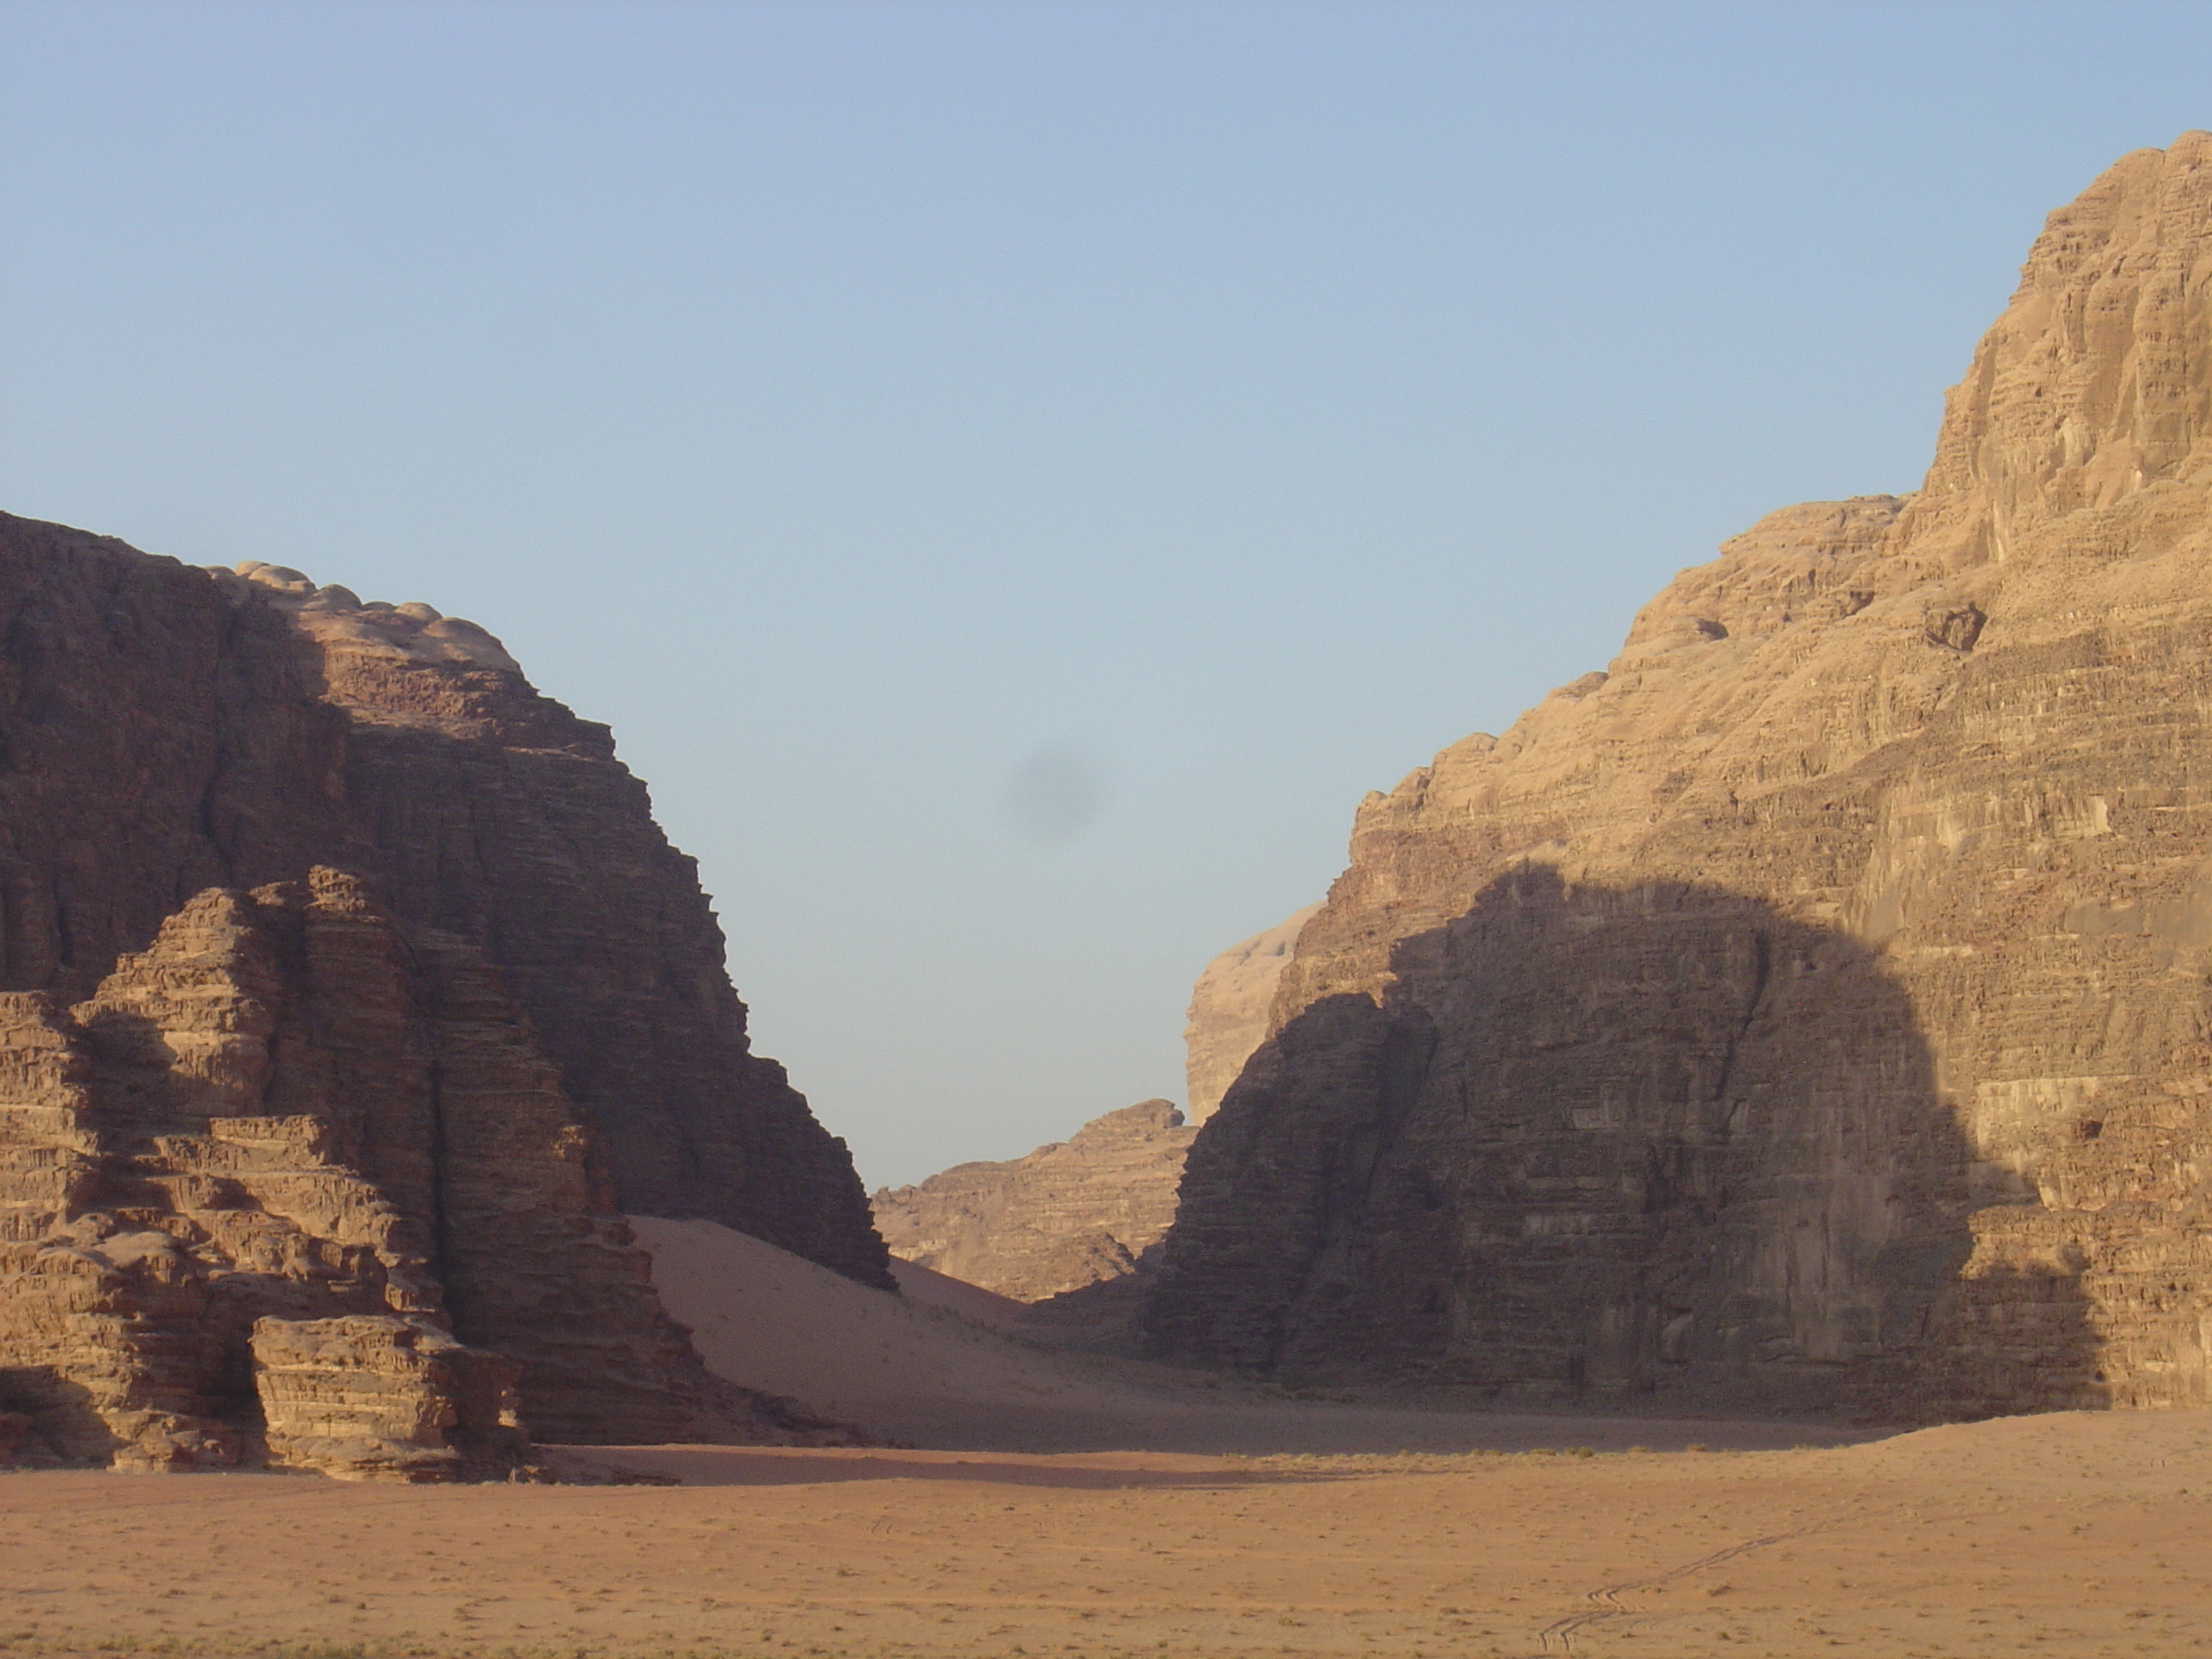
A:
1079	1212
169	729
349	993
1813	1005
1229	1009
253	1183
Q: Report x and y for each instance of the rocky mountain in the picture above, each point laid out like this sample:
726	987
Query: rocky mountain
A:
1812	1007
1229	1009
1076	1212
1091	1210
350	995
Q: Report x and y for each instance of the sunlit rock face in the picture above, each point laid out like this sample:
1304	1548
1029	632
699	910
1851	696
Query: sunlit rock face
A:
1076	1212
259	1183
1229	1009
1812	1007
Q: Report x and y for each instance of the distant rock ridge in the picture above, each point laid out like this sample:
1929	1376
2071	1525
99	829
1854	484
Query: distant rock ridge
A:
1810	1007
1091	1211
1072	1213
349	992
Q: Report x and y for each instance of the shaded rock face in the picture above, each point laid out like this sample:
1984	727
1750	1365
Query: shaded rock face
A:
164	729
1229	1009
1813	1006
1625	1136
297	1184
1076	1212
347	990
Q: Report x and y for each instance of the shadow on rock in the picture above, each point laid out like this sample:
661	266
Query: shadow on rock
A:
1594	1142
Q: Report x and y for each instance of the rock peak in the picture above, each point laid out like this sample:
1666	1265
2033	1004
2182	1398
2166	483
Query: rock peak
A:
316	911
337	620
2096	383
1810	1008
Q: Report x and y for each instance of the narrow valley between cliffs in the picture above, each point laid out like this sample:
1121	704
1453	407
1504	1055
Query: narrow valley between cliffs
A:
1723	1170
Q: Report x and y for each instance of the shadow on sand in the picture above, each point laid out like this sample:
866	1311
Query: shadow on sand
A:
1490	1438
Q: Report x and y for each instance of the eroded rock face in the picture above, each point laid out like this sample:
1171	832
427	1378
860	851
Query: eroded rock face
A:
168	730
1229	1009
367	1397
346	992
1079	1212
294	1184
1813	1006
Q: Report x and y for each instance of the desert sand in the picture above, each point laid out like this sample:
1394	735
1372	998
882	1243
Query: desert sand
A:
2065	1535
1422	1532
945	1365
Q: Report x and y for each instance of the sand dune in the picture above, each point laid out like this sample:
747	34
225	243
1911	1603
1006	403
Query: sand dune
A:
971	1302
946	1365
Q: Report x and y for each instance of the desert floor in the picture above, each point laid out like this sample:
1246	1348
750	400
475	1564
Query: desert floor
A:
2073	1535
1070	1504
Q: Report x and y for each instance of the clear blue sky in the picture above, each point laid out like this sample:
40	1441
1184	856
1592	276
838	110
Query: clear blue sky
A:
1014	475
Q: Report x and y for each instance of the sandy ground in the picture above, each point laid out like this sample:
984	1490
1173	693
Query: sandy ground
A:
937	1367
2074	1535
2067	1535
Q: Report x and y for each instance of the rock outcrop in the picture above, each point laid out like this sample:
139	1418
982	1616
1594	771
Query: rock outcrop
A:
348	993
169	729
256	1182
1076	1212
1813	1005
1228	1009
1084	1214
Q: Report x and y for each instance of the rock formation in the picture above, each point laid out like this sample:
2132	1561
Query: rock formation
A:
255	1181
499	817
169	729
1076	1212
1813	1006
348	993
1084	1214
1229	1008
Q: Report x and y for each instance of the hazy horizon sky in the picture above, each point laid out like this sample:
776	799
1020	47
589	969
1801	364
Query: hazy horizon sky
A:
1014	475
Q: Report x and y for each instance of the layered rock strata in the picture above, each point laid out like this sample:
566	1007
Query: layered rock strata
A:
347	995
1072	1213
168	730
1813	1005
256	1183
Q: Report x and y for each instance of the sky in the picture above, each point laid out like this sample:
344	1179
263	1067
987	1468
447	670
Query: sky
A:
1015	475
